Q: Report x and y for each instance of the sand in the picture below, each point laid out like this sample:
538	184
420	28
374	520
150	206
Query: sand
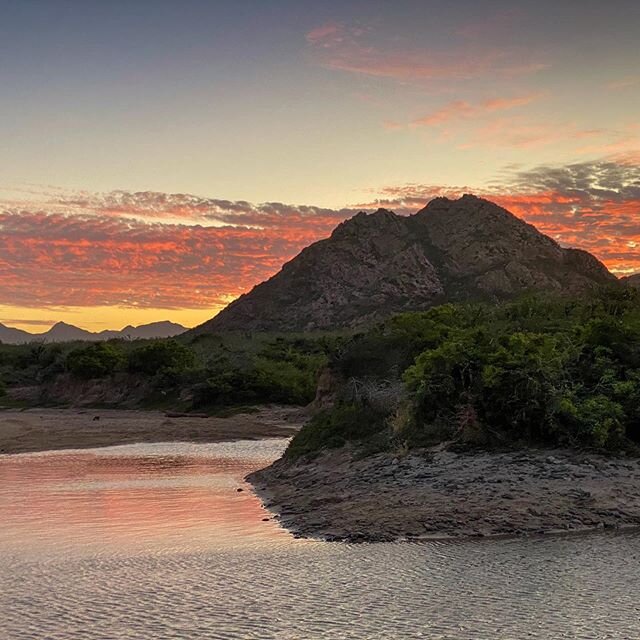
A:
31	430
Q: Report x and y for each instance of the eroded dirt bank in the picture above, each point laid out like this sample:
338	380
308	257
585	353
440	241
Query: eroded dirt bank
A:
442	494
47	429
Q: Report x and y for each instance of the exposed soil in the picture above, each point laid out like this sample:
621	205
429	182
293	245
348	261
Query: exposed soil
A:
45	429
442	494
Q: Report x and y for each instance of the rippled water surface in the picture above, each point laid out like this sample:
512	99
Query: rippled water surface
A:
155	541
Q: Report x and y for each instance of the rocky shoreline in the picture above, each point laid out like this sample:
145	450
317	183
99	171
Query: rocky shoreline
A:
440	494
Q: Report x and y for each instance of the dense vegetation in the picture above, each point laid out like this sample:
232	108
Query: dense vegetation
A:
202	372
536	371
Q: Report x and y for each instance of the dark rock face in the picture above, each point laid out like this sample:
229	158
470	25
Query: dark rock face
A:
374	265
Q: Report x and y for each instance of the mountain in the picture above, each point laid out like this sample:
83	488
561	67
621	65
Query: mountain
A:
377	264
63	332
164	329
10	335
632	280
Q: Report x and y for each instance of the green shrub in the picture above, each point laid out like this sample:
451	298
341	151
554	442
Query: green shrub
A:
336	427
94	361
160	356
540	370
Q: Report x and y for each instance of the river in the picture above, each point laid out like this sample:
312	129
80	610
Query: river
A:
156	542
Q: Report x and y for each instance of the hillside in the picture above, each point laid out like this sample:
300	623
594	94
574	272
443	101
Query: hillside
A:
374	265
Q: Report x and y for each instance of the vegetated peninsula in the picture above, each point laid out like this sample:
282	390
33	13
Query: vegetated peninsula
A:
472	420
481	416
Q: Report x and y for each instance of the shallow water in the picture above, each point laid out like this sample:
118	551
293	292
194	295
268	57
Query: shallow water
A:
155	541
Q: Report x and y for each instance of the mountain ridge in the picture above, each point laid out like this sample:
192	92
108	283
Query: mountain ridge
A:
64	332
376	264
632	280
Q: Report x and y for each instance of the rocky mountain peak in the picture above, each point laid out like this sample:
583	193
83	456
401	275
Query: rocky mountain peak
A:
379	221
376	264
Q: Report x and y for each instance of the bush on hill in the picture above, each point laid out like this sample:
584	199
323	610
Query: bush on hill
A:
537	371
160	356
96	360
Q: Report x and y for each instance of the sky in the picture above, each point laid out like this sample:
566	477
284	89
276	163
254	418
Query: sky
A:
161	158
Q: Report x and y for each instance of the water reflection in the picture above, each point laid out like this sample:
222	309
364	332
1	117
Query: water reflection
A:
123	499
155	542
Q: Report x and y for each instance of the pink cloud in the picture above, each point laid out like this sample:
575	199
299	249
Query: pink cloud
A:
325	33
462	110
359	50
120	248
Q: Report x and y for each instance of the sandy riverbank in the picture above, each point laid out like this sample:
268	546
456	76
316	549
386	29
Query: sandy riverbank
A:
441	494
47	429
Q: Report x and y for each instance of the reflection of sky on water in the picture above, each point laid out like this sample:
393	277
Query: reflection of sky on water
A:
132	497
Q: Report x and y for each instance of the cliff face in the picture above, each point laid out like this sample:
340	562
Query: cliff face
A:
377	264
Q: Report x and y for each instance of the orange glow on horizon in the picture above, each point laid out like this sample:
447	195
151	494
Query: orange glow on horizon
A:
97	270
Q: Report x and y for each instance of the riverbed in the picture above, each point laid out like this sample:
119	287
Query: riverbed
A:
167	541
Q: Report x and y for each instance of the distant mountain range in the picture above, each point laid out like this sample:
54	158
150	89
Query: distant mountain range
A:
633	280
381	263
63	332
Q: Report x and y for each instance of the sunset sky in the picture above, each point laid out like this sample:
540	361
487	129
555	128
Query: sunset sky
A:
160	158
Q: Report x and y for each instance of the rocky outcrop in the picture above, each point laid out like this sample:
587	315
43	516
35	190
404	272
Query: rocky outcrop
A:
374	265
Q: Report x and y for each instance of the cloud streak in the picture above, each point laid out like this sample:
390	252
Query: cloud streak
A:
463	110
118	248
177	251
363	51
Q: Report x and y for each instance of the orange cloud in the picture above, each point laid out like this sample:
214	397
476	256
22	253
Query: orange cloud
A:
118	249
126	249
